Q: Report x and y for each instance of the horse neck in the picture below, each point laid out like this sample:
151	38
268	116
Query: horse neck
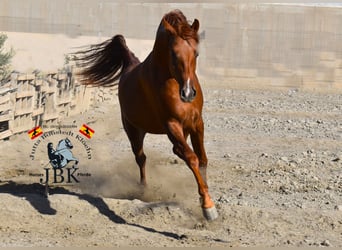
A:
159	55
61	145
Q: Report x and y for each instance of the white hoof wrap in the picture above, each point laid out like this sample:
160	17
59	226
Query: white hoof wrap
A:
210	213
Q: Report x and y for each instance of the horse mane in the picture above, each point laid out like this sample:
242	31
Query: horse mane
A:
179	22
59	142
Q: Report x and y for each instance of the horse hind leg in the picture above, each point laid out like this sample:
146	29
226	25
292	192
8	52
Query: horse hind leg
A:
140	159
136	138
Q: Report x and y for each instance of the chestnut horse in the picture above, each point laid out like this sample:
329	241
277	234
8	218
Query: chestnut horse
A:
160	95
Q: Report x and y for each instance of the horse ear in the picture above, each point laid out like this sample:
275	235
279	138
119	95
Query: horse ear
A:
167	27
195	25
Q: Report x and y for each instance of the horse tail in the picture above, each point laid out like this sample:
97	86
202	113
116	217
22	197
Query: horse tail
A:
104	63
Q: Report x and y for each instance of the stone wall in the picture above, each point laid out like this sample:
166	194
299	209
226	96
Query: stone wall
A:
30	100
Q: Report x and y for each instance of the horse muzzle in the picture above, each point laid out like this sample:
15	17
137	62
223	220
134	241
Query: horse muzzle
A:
188	93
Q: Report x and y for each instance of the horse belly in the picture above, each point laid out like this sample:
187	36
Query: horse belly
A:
138	110
145	120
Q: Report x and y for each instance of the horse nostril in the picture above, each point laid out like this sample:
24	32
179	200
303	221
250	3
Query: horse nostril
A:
183	94
194	92
187	94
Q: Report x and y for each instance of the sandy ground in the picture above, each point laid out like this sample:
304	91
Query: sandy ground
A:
275	173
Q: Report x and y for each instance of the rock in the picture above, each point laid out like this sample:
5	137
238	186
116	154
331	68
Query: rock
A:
310	151
264	155
326	243
336	159
315	178
289	242
268	182
226	156
238	167
293	164
338	207
223	199
174	161
285	159
198	226
284	190
242	203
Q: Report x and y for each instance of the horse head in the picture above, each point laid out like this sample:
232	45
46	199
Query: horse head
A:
68	143
64	143
180	39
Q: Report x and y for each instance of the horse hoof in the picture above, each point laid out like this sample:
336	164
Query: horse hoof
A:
210	213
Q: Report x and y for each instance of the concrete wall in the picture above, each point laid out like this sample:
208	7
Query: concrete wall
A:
244	45
275	45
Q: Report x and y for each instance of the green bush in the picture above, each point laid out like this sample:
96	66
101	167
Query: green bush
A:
5	59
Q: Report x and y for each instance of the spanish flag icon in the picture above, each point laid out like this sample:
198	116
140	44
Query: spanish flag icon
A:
86	131
35	132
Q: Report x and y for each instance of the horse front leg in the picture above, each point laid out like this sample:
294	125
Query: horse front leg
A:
72	158
183	150
197	140
76	161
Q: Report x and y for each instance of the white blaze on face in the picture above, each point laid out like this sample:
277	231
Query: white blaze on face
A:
187	89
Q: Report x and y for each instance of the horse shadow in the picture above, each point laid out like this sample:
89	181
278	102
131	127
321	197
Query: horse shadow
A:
35	195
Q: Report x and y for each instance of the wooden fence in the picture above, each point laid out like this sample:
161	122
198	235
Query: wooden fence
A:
29	100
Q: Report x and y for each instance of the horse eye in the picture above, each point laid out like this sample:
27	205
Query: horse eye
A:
174	57
196	54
